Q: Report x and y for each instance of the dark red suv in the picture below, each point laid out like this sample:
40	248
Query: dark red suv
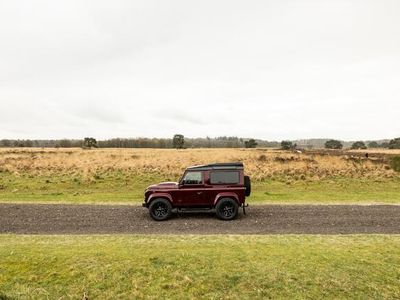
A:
221	186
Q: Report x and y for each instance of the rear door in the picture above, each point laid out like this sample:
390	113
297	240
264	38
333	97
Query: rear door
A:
220	181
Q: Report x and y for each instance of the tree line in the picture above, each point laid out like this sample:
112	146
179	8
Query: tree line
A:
180	142
392	144
167	143
336	144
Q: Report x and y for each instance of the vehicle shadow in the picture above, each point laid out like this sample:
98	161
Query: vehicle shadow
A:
200	215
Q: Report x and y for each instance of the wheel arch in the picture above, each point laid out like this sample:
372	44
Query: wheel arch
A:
226	195
159	195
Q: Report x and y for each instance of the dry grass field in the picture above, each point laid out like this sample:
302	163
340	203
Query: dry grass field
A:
120	175
260	163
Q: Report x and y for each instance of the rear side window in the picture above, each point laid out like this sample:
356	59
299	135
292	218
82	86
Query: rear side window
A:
224	177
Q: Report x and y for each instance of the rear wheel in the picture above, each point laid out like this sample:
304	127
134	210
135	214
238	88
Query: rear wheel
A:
226	209
160	209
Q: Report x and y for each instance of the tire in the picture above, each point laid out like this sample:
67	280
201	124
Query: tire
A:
247	184
160	209
227	209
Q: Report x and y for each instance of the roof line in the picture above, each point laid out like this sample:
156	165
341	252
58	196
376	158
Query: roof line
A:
231	165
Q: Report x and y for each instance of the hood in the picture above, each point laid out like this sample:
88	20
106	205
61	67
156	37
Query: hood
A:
163	185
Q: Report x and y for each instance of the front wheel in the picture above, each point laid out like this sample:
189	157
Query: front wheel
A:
227	209
160	209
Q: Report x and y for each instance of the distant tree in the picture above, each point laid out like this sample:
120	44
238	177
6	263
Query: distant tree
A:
251	143
28	143
287	145
64	143
394	144
384	145
89	143
161	143
5	143
208	145
333	144
373	144
178	141
22	143
358	145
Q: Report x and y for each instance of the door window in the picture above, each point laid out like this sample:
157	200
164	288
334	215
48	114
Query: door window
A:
192	178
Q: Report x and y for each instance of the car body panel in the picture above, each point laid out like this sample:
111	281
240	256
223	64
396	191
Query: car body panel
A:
153	196
232	195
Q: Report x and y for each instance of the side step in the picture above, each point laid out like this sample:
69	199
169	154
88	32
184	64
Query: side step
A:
195	209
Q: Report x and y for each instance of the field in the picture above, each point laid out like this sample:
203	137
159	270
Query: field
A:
211	267
121	175
197	266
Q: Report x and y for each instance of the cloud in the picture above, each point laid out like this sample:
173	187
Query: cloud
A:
180	116
273	70
100	113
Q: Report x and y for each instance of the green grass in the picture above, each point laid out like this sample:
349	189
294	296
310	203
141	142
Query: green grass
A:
111	188
212	267
117	187
395	163
333	190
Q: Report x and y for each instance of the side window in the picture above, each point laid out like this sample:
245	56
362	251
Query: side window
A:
224	177
192	178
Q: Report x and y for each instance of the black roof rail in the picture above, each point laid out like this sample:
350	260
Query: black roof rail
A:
216	166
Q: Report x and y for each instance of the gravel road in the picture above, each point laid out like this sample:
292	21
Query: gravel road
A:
265	219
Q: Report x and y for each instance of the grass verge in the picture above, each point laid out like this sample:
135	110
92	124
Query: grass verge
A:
234	267
122	188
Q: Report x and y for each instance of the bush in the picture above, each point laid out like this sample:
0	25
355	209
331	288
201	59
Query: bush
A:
251	143
333	144
287	145
262	157
89	143
358	145
394	144
373	145
395	163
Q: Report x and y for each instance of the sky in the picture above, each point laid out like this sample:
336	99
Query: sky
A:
265	69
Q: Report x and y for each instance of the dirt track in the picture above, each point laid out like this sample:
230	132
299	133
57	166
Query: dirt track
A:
85	219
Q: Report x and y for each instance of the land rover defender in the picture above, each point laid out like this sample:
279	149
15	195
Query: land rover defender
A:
222	187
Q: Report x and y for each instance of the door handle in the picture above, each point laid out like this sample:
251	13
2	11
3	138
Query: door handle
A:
199	193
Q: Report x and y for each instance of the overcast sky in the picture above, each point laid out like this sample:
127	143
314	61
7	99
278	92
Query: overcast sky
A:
266	69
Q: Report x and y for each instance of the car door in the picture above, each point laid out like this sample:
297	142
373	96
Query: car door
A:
191	189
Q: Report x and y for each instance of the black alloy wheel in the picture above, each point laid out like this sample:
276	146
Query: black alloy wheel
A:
227	209
160	209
